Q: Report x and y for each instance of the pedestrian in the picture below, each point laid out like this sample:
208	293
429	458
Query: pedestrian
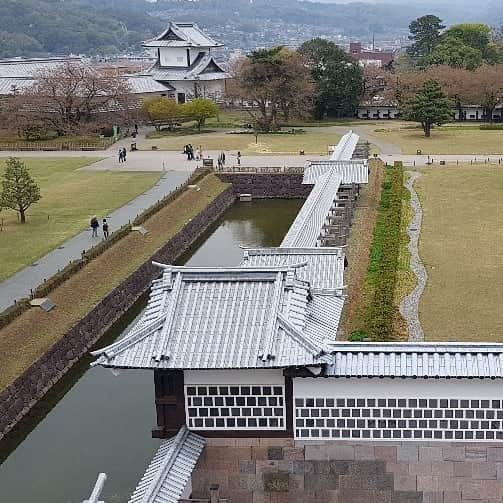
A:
223	158
239	157
136	128
219	162
191	152
121	159
104	225
94	226
198	153
201	152
124	154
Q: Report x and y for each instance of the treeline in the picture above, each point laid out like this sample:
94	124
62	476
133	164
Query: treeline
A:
42	27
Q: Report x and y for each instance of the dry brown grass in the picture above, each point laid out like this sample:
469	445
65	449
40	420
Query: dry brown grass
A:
462	248
360	241
26	338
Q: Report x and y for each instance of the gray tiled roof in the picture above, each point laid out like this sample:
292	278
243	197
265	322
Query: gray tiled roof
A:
170	469
195	71
351	171
343	151
450	359
182	35
212	318
146	84
28	68
7	85
324	269
307	226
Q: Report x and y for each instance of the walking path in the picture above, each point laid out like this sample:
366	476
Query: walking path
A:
19	284
409	307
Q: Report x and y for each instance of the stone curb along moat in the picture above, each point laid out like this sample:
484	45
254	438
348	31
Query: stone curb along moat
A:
29	388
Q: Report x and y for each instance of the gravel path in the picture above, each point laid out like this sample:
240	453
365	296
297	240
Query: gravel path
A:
409	307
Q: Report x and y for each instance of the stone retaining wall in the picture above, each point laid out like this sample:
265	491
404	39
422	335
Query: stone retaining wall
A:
280	471
20	396
268	185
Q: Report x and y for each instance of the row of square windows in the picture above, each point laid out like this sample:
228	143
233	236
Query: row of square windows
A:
403	413
237	423
431	403
230	401
303	434
452	424
235	411
233	390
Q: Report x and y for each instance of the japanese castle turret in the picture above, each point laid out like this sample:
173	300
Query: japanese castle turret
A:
185	63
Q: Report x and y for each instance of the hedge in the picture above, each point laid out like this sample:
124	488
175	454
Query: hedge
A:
44	289
384	253
491	127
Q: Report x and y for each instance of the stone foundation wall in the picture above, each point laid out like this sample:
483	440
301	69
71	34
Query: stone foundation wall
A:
20	396
268	185
280	471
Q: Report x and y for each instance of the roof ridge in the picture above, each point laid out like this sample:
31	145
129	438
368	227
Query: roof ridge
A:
299	337
155	484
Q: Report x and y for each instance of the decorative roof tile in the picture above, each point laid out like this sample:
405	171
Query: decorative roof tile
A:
170	469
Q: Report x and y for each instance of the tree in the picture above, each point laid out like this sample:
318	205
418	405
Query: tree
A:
72	99
338	78
429	106
453	52
200	109
162	111
19	190
276	82
425	32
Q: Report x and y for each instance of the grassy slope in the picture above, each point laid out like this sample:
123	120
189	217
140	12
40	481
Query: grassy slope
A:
69	198
312	142
27	337
461	245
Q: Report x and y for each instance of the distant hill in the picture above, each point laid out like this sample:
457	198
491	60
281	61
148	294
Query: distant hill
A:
41	27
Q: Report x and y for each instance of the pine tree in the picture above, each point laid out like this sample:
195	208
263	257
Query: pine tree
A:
429	106
19	190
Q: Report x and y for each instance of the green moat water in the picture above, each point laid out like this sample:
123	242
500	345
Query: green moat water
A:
97	422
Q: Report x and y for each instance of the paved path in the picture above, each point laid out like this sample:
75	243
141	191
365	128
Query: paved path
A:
423	160
409	307
19	284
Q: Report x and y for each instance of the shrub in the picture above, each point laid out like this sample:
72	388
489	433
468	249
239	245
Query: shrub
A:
491	127
358	336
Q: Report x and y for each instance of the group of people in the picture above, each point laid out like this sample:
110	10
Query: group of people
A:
95	225
188	150
122	154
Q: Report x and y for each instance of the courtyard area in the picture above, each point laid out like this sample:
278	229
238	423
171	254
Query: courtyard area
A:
455	138
69	199
461	246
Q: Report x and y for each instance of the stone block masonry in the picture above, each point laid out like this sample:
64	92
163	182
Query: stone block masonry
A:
21	395
260	186
277	470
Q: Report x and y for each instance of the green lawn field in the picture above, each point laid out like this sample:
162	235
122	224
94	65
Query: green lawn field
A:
69	198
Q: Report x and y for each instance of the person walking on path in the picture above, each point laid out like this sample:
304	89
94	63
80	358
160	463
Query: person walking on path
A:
239	157
136	128
223	158
124	154
104	225
121	159
201	152
94	226
198	153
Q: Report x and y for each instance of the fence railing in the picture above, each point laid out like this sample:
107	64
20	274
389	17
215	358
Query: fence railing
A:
56	147
260	169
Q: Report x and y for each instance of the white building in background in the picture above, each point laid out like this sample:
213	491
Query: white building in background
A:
185	64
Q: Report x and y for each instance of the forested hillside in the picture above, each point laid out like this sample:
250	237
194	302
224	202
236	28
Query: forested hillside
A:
40	27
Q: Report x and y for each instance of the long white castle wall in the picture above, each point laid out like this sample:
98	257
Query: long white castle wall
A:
398	409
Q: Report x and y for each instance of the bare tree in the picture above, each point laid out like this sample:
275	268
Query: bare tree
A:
275	82
74	98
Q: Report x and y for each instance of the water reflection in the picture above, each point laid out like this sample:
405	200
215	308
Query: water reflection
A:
99	422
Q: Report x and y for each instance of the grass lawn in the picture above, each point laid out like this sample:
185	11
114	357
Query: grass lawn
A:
69	199
32	333
312	142
446	140
462	248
